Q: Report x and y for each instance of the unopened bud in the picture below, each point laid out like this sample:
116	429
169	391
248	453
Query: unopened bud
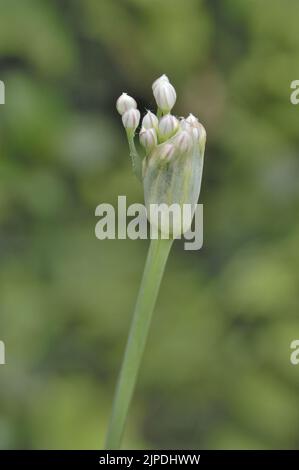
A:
124	103
150	120
191	119
194	127
148	138
131	119
164	94
183	141
195	132
202	138
168	126
167	152
198	132
184	125
160	80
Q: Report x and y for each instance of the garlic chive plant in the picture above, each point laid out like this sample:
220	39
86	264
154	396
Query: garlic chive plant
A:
170	171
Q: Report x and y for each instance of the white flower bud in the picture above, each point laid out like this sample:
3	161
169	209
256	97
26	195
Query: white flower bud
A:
202	137
160	80
168	126
148	138
124	103
184	125
195	132
164	94
131	119
199	132
183	141
167	152
191	119
193	126
150	120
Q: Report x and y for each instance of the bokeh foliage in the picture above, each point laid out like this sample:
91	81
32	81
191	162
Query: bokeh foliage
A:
216	373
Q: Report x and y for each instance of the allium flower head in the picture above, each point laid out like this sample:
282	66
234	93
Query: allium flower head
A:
171	169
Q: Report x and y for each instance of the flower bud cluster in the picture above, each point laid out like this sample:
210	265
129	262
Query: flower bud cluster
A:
171	170
194	127
127	108
163	137
163	128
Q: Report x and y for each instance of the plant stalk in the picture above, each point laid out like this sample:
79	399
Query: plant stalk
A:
135	158
155	264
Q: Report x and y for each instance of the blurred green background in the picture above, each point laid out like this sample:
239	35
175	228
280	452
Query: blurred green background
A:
216	372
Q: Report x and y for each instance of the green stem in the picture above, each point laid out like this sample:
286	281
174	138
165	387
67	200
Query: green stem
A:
159	113
135	157
155	263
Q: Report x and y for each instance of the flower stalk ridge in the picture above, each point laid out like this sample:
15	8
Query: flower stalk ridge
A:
170	170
